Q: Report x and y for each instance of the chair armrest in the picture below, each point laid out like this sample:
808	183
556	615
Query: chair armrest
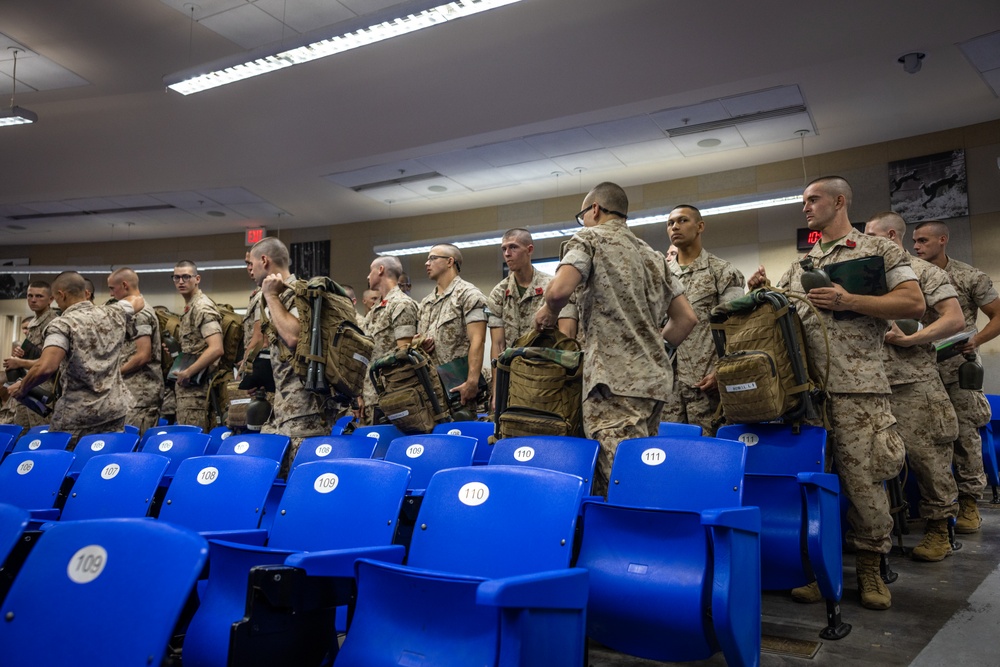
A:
254	537
42	516
823	480
340	562
555	589
735	518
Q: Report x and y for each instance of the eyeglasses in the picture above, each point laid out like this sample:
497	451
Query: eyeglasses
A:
579	216
431	258
182	278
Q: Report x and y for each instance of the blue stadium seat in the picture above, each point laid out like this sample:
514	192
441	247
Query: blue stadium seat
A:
172	428
382	434
218	434
100	575
425	455
487	581
800	507
90	446
676	429
341	424
269	445
990	458
575	456
13	522
481	431
13	430
327	447
336	509
30	442
33	480
220	493
176	446
674	559
112	486
7	441
128	428
35	430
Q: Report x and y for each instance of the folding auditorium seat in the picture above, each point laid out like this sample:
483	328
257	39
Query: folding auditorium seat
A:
341	424
35	430
328	447
6	443
989	435
128	428
487	581
33	481
673	556
220	493
176	446
481	431
563	453
338	509
31	442
90	446
118	485
172	428
800	531
12	430
269	445
105	592
13	522
382	434
217	435
678	430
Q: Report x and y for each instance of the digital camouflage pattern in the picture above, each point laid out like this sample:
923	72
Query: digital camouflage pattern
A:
975	290
146	383
253	314
93	391
708	281
444	318
200	320
392	318
36	335
515	313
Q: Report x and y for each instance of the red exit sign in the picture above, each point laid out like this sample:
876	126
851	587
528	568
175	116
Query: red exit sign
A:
254	235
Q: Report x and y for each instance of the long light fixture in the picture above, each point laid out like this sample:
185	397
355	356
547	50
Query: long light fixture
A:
16	115
45	270
718	207
376	27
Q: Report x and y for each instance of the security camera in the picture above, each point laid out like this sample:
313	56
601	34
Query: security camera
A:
911	62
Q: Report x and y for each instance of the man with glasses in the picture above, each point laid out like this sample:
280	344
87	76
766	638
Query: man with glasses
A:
201	345
39	303
708	281
452	319
627	292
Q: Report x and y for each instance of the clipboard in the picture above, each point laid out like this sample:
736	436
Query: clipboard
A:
864	275
182	362
951	346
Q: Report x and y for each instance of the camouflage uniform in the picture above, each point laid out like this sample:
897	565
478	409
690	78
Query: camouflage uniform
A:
924	416
515	312
708	281
626	374
975	289
94	397
394	317
200	320
253	314
296	412
444	317
866	449
146	383
36	334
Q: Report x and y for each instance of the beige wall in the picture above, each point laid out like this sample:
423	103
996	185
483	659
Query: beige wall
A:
766	236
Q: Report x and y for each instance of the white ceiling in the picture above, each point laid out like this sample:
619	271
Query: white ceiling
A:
536	99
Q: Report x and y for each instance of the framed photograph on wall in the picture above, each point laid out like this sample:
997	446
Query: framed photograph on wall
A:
932	187
310	259
13	285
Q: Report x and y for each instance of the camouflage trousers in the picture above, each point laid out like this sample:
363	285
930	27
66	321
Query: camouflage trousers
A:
926	422
609	419
26	418
143	418
298	429
866	451
116	425
692	406
192	405
973	411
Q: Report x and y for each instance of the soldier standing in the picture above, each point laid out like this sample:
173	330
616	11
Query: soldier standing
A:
40	303
201	341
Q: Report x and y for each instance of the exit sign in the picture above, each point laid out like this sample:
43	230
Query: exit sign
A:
254	235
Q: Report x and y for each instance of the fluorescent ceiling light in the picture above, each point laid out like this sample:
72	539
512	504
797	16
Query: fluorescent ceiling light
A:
27	269
311	46
560	230
17	116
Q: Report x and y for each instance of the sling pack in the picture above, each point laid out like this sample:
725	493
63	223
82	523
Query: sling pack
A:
170	328
232	336
539	386
410	392
763	370
333	353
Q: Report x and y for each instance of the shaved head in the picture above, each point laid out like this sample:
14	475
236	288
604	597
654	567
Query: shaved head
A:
273	249
889	220
127	276
519	234
933	227
71	283
835	186
449	250
609	195
393	267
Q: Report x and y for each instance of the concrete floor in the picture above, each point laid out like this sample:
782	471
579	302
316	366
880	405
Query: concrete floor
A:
945	613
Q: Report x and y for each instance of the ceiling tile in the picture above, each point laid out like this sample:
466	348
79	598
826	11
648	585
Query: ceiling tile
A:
773	130
51	207
983	52
362	7
390	194
454	163
184	199
588	161
625	131
992	77
91	204
131	201
484	179
763	100
203	8
728	137
246	25
306	15
565	142
530	171
430	188
260	209
230	195
507	153
647	151
690	115
377	173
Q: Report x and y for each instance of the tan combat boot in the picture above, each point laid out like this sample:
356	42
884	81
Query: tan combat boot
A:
873	591
935	546
807	594
969	520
